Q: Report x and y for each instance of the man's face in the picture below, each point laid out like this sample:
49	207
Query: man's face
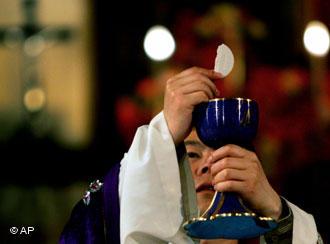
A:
198	154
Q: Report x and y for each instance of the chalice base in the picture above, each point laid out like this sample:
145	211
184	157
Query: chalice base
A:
228	218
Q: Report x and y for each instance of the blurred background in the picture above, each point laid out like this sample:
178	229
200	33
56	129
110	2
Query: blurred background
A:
78	77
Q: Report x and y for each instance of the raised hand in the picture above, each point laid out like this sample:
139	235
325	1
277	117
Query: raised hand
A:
235	169
183	91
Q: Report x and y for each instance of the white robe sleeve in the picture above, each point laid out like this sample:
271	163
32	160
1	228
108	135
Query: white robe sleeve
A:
304	227
149	188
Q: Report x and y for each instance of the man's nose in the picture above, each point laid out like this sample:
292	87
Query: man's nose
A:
204	168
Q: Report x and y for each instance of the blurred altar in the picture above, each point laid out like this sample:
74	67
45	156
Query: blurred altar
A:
75	83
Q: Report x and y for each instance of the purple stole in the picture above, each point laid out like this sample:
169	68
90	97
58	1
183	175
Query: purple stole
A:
96	221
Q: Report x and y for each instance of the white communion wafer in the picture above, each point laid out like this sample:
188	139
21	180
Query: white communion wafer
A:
224	60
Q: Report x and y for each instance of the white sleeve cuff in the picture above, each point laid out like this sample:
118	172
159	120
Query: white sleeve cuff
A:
304	227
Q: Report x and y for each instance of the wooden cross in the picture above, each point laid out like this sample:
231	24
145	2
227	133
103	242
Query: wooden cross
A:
33	39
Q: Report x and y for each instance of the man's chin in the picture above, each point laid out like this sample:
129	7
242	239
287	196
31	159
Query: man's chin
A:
204	199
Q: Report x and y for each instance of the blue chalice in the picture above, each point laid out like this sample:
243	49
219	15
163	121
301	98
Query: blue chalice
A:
219	122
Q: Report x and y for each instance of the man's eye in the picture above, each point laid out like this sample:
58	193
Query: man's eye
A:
193	155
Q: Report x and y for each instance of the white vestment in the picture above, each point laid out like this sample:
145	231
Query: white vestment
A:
150	192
